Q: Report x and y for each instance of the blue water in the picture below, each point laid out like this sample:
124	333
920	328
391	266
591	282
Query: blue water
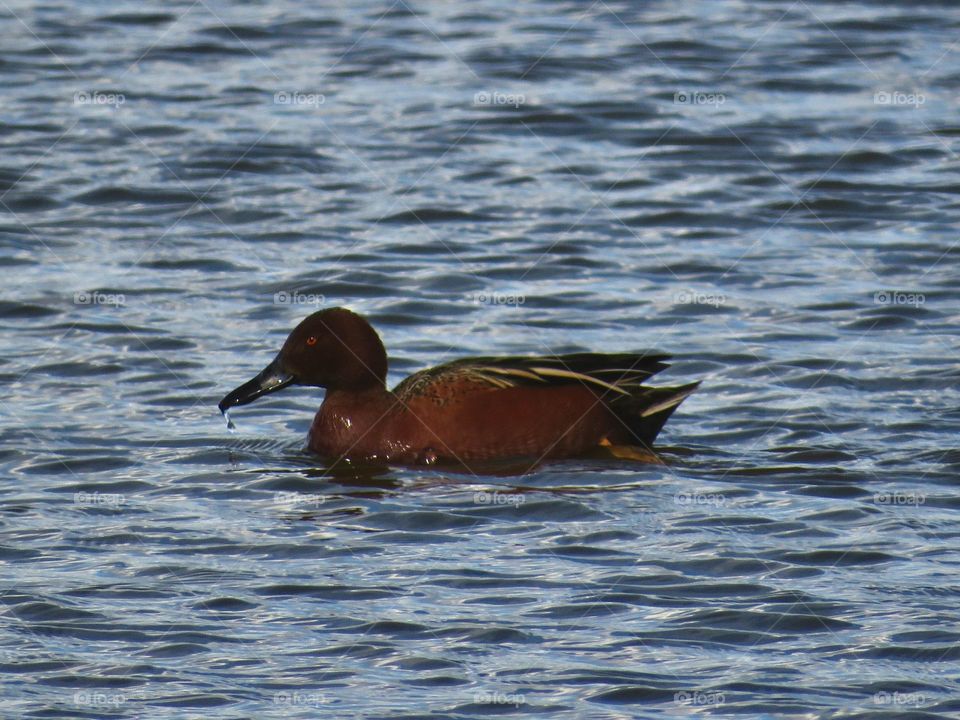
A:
769	191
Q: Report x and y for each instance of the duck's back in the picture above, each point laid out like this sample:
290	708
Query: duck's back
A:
494	408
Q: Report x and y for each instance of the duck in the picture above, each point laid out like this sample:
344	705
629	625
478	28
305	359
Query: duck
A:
469	411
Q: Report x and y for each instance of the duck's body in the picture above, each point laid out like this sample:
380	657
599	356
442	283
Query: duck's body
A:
467	411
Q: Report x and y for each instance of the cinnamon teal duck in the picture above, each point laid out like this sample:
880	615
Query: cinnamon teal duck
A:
468	411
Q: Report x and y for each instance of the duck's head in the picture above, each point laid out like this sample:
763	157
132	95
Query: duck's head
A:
334	349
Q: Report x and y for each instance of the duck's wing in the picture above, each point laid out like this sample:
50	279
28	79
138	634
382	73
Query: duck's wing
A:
612	374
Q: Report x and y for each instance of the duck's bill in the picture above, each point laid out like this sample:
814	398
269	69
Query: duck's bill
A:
272	378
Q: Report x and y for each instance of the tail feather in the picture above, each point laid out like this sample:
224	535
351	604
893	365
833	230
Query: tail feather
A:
646	411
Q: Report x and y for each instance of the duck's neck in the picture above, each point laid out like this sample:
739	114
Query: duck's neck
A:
348	420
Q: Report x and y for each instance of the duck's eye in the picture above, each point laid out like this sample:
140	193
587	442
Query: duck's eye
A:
312	340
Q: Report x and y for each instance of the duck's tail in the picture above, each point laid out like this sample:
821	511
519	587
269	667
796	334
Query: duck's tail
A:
646	410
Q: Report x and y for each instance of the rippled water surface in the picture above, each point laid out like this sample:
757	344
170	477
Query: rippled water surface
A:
767	190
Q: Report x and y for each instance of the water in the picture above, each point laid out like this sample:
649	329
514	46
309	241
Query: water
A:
766	190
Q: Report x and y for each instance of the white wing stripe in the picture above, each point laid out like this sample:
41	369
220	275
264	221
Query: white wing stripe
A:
578	376
668	403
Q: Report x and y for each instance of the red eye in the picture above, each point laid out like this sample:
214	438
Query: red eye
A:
311	340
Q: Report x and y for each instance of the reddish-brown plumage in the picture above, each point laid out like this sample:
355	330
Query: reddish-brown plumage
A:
468	411
477	423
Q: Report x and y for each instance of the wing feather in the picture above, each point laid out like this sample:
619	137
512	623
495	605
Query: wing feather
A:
621	373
